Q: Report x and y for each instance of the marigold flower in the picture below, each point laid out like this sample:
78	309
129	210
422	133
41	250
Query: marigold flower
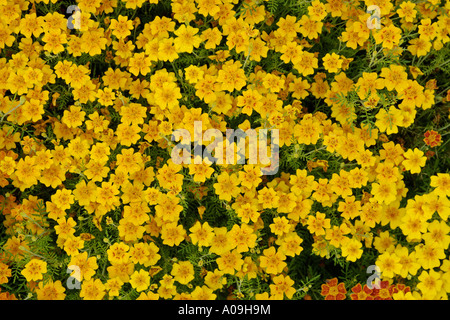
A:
5	273
430	284
351	249
183	272
201	234
414	160
172	233
272	261
227	186
34	270
332	290
231	76
140	280
87	265
332	62
121	27
187	39
242	237
92	290
441	183
407	11
221	242
50	291
230	261
282	286
432	138
361	293
310	27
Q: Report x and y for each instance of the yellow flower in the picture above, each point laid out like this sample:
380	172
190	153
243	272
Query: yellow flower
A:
427	30
429	256
250	177
351	249
148	296
50	291
93	41
248	212
212	37
388	121
203	293
332	62
282	286
290	244
272	260
318	223
242	237
438	234
215	279
268	198
407	11
227	186
419	46
140	280
140	64
336	235
128	134
92	290
72	245
307	63
388	36
384	192
54	41
186	39
220	243
34	270
183	272
441	183
230	261
201	171
167	95
6	37
413	227
63	198
74	117
87	265
106	96
133	4
172	234
113	286
310	28
5	273
231	77
389	264
407	261
317	10
430	284
201	234
121	27
280	226
414	160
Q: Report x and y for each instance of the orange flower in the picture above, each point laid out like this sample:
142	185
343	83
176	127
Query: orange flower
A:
333	290
361	293
384	292
432	138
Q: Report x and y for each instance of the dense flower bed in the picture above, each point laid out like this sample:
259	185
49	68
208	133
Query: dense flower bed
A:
94	203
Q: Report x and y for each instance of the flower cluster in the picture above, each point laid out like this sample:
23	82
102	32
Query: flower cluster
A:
92	205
